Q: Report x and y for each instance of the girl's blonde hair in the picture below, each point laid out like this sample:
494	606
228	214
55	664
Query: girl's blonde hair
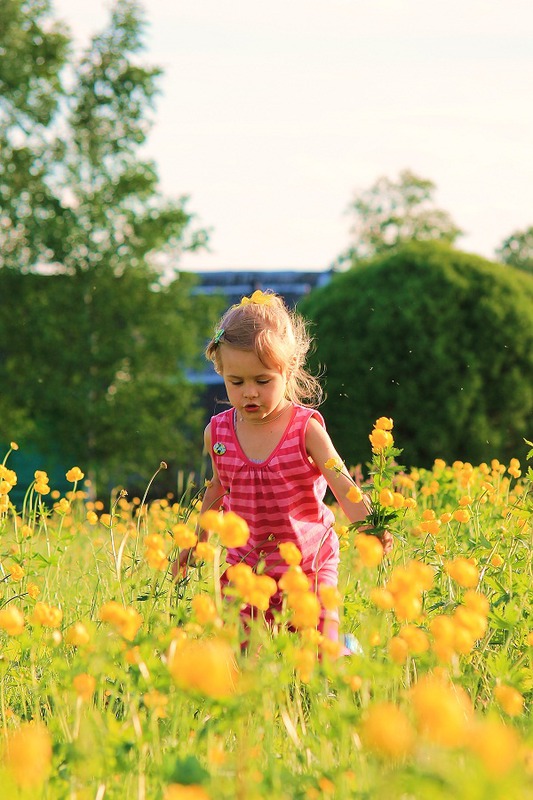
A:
277	335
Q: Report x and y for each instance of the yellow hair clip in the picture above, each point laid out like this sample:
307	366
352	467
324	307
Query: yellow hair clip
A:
258	297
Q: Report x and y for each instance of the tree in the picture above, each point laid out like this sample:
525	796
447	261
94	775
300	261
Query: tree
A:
517	250
94	355
390	213
437	339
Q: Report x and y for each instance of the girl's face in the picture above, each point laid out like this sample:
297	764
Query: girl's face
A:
254	389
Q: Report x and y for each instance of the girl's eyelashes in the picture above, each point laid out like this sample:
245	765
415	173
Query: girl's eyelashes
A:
260	382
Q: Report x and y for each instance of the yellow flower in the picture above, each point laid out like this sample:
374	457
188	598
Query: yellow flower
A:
330	596
463	571
41	476
382	598
496	560
41	488
92	517
74	474
241	576
14	446
33	590
398	650
84	686
399	501
206	666
156	558
290	553
16	571
442	628
443	711
28	754
63	507
77	635
204	552
380	439
12	620
333	463
386	731
355	682
265	585
384	424
415	638
180	791
305	609
431	526
294	580
477	602
47	616
124	618
354	494
472	620
183	536
509	699
304	661
514	468
386	498
369	548
235	531
204	609
496	744
461	515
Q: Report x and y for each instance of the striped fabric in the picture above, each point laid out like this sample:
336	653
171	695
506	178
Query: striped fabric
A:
280	498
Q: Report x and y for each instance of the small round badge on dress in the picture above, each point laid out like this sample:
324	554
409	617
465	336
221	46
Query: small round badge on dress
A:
219	448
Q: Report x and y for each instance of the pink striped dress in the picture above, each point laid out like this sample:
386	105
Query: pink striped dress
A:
281	499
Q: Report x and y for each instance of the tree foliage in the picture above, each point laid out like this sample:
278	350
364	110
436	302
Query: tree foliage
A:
98	328
517	250
437	339
392	212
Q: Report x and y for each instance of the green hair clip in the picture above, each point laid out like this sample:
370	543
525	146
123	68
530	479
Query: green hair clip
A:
218	335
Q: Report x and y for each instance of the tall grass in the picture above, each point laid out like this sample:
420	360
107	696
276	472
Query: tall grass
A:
117	681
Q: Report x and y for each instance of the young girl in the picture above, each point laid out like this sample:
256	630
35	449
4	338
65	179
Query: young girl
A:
269	450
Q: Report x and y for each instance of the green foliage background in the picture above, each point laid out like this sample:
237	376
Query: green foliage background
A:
437	339
97	327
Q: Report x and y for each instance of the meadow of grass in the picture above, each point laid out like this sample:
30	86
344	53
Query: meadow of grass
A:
118	682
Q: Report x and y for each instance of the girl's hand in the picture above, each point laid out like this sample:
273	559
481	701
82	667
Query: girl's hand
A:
387	541
179	567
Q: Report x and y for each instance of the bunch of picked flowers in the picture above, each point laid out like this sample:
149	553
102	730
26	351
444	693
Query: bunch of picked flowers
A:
383	503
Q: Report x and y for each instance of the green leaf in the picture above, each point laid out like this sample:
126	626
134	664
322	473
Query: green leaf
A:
187	771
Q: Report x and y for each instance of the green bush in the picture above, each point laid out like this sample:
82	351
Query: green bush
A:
437	339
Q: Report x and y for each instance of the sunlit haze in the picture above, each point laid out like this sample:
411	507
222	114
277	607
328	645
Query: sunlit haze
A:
272	115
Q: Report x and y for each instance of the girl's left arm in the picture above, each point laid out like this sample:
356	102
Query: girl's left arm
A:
321	449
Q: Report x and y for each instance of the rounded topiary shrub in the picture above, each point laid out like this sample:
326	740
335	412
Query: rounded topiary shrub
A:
437	339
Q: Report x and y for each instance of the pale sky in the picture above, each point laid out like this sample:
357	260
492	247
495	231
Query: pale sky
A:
272	115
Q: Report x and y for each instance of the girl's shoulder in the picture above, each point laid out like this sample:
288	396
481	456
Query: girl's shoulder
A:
222	414
307	413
